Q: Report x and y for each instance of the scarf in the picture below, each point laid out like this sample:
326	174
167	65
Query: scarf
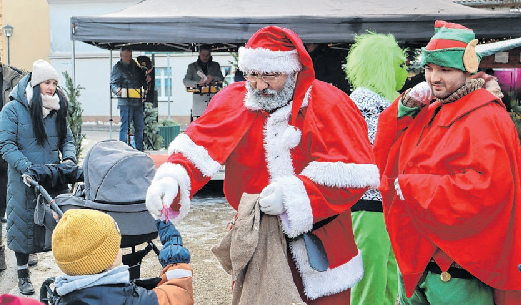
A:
468	87
69	283
49	103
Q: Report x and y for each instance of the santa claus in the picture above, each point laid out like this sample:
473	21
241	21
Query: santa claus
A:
298	142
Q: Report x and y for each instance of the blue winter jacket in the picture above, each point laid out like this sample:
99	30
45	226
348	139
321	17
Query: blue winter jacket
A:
19	148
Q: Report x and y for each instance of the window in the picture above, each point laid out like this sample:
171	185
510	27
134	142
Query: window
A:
164	83
228	75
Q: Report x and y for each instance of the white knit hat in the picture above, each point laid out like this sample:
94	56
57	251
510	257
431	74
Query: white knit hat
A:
42	71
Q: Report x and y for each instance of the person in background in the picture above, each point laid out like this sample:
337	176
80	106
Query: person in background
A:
298	142
376	68
10	77
328	65
127	81
86	247
33	130
204	71
203	74
449	157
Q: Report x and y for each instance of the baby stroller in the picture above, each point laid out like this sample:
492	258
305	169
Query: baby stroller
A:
116	179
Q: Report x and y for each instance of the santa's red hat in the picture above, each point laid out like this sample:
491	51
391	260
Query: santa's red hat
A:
278	50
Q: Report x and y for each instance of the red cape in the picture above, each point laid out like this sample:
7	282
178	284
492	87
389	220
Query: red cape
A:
459	174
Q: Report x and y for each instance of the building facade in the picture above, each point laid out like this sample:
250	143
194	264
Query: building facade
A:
30	39
91	65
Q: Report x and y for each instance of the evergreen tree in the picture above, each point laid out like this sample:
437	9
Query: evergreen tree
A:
74	112
151	138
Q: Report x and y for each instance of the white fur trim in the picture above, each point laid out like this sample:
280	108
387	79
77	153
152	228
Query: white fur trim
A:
305	102
179	173
291	137
318	284
298	215
278	155
267	61
338	174
198	155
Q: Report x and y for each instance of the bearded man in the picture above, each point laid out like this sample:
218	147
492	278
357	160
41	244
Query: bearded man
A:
449	155
298	142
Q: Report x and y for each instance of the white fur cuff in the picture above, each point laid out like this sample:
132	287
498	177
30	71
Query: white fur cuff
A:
180	174
198	155
298	217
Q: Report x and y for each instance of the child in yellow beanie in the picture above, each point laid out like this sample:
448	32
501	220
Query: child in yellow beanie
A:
86	247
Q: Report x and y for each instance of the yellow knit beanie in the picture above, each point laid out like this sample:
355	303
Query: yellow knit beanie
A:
85	242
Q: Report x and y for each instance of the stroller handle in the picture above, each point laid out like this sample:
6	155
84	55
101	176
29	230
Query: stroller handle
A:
41	190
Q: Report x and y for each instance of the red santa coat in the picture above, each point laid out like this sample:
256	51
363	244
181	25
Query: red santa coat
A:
325	163
458	168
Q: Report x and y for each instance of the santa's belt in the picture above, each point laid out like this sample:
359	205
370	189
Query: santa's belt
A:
453	271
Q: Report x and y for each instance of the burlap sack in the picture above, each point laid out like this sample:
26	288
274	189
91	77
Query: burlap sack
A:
254	252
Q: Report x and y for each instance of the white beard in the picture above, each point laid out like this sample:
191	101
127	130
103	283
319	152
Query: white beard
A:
255	101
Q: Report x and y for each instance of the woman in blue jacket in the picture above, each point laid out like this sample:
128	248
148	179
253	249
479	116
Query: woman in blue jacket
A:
33	130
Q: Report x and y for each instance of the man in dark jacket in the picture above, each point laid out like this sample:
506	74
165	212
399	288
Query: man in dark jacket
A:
127	81
86	247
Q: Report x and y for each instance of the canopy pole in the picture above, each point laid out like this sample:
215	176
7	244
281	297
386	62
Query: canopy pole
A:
169	82
74	64
110	97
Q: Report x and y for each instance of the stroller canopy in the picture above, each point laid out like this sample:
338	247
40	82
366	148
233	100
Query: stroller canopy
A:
116	179
115	173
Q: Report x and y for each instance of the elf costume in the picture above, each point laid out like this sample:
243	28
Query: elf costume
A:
457	164
376	68
316	145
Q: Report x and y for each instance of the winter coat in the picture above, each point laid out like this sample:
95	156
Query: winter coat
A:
19	148
125	76
324	161
173	289
10	77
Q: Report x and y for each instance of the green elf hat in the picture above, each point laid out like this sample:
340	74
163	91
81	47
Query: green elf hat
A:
453	46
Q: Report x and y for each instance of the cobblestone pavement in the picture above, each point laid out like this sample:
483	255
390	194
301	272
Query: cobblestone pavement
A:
203	228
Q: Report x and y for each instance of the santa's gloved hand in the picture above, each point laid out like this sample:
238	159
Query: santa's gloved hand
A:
173	251
271	200
422	95
161	193
398	189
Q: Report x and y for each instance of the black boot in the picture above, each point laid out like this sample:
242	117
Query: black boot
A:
24	282
3	266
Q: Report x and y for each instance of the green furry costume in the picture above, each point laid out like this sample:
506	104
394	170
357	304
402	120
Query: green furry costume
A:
376	68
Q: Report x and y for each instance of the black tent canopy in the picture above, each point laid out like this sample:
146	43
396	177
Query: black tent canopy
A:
175	25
